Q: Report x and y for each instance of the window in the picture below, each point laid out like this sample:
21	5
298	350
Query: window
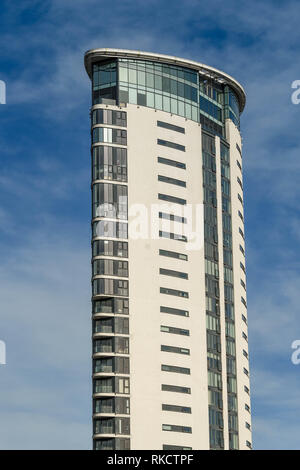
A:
172	427
112	426
174	349
239	165
111	325
212	268
244	336
173	236
109	135
167	161
108	116
215	418
174	311
216	438
241	216
173	254
104	82
117	344
110	267
112	305
232	402
243	284
243	301
110	287
213	323
242	267
176	331
175	369
166	179
109	163
171	127
110	229
106	385
240	182
109	200
247	407
172	145
246	389
175	388
117	365
177	293
208	143
110	248
245	354
248	444
246	372
122	385
171	447
240	198
248	426
170	272
176	408
172	217
244	319
215	398
173	199
239	149
212	305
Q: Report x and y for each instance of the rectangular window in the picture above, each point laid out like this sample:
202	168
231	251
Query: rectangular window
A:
167	161
239	149
172	217
174	311
177	293
174	349
175	369
110	248
173	236
171	127
172	145
173	199
175	331
175	388
166	179
173	254
172	427
170	272
171	447
176	408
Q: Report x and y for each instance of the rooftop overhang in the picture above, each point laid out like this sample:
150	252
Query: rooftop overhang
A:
97	55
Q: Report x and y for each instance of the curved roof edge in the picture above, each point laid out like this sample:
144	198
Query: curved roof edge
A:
95	55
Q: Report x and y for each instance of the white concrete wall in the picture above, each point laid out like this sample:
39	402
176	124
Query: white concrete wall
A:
145	297
240	326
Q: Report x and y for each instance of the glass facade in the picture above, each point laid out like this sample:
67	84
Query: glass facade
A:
110	294
171	88
228	294
213	331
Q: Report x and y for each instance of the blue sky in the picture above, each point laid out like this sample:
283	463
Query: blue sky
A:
45	199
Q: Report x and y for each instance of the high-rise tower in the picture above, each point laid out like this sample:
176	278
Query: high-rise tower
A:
170	349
